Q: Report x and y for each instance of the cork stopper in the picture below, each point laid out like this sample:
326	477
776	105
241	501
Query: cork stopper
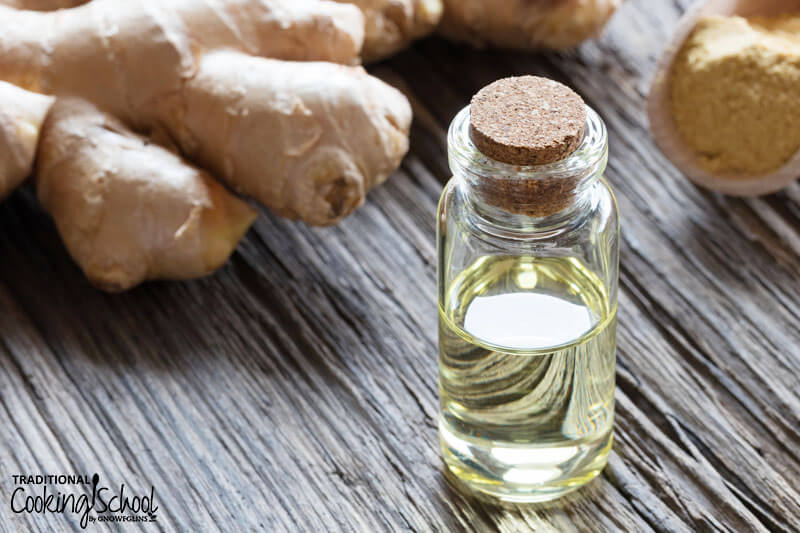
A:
528	121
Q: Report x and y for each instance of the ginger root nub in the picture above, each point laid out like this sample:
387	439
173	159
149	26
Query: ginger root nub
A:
306	139
393	24
128	210
525	24
21	116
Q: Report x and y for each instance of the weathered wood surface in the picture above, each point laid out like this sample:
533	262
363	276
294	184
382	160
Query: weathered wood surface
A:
296	389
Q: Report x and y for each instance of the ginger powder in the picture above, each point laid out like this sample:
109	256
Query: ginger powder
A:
736	92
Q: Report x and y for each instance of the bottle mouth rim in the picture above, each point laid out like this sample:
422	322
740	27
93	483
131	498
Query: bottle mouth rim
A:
590	156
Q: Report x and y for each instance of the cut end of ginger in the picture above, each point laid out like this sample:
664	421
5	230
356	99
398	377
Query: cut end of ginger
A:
735	86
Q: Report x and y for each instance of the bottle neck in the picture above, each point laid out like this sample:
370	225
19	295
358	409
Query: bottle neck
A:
581	201
537	198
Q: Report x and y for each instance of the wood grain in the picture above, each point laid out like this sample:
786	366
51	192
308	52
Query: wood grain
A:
296	389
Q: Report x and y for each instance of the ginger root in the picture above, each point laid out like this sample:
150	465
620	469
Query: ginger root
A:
42	5
21	116
125	56
302	132
525	24
394	24
306	139
128	210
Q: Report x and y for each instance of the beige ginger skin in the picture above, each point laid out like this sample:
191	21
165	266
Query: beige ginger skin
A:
307	139
42	5
127	209
391	25
98	51
525	24
21	116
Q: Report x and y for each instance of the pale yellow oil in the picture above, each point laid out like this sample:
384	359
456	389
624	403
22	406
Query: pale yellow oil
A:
527	360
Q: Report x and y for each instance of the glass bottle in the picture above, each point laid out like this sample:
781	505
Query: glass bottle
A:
528	273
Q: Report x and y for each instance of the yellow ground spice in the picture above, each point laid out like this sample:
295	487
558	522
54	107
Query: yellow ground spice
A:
736	92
